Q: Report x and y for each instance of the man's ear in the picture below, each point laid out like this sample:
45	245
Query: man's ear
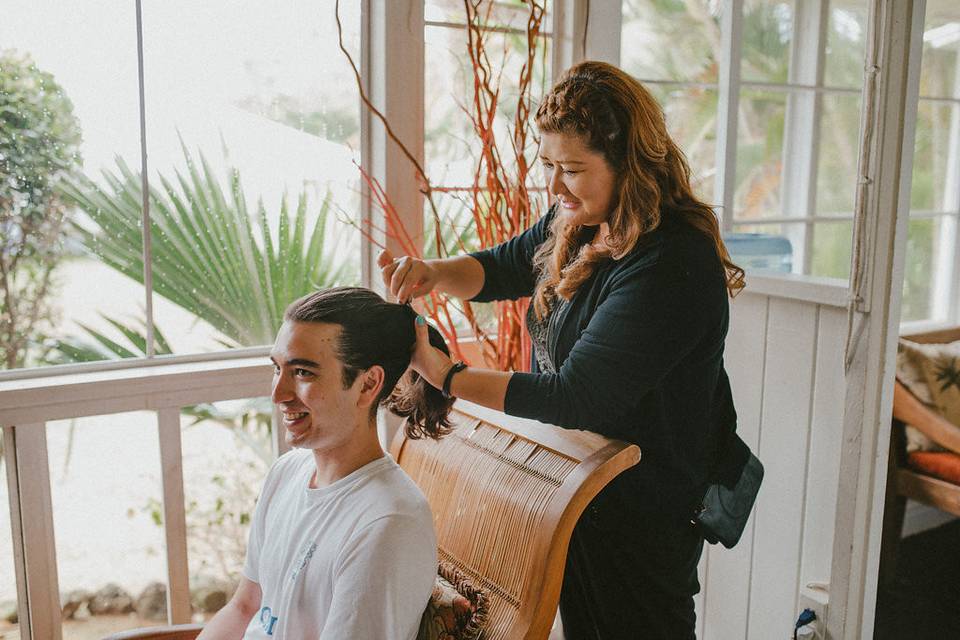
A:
371	383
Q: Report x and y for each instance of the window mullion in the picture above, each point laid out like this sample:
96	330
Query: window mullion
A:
728	105
392	75
801	139
145	188
569	39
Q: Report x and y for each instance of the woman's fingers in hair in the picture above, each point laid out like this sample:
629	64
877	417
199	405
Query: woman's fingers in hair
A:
405	277
431	363
400	278
418	278
387	267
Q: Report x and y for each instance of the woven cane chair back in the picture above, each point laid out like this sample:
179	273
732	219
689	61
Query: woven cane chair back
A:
505	494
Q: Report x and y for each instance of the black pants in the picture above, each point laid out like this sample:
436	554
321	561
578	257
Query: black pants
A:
629	576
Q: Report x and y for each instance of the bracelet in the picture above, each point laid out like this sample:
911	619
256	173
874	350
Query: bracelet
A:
456	368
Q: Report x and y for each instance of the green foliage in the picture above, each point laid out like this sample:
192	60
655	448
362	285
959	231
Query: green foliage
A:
98	346
918	274
208	256
39	148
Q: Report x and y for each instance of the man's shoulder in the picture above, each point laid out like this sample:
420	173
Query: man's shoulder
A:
393	491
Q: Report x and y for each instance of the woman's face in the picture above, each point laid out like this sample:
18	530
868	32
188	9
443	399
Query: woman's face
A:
579	179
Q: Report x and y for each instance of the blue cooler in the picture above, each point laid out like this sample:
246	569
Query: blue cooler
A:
760	251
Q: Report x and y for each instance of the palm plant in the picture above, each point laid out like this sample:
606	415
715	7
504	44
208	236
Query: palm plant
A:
209	256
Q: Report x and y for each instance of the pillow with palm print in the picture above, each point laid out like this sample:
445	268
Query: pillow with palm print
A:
932	373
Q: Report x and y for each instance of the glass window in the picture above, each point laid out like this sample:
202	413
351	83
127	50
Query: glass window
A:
936	141
767	39
473	182
265	134
919	281
76	94
253	138
110	554
941	45
671	40
845	47
930	269
760	155
838	153
832	245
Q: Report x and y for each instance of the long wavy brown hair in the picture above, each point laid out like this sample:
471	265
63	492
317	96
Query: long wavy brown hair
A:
614	115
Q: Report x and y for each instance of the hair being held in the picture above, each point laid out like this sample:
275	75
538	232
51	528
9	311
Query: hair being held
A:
376	332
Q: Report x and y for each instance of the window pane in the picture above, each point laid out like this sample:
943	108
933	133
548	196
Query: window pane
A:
451	145
102	471
846	35
936	134
691	114
511	14
838	153
227	451
832	245
941	43
759	155
767	36
671	40
76	93
264	133
923	244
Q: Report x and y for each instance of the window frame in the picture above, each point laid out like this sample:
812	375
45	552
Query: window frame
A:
805	90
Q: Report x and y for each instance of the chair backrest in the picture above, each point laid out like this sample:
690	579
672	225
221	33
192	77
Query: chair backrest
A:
505	494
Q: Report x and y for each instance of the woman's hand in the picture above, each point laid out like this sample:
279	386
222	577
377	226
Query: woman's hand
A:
406	277
431	363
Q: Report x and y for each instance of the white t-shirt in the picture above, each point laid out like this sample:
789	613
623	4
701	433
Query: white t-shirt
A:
356	559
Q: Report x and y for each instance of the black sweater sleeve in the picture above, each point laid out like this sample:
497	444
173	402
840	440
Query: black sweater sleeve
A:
508	267
653	317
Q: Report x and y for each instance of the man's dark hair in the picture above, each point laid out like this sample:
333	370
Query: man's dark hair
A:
376	332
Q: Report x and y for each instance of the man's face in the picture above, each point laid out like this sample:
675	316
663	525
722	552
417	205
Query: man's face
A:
316	411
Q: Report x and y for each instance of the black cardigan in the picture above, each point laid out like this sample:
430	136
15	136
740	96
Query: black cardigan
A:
639	356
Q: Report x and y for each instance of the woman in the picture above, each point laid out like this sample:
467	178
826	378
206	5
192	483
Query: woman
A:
629	279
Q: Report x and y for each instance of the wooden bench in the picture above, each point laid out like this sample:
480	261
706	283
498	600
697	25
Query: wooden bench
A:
505	494
904	482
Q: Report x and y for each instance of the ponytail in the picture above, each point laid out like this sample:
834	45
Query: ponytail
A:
423	405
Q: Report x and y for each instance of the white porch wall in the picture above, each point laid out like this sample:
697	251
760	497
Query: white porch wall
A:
784	357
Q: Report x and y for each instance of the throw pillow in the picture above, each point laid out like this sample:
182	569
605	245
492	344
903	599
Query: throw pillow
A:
457	609
932	373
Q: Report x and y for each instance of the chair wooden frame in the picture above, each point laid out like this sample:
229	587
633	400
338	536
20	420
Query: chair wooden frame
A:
529	481
902	481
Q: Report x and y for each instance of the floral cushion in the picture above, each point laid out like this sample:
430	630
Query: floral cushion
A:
457	609
932	373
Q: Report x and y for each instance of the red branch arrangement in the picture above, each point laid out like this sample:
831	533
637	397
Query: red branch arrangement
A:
499	198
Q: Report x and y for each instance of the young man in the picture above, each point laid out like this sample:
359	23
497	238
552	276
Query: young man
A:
342	542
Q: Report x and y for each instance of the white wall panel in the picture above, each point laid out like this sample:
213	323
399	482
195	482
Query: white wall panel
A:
726	596
823	464
784	432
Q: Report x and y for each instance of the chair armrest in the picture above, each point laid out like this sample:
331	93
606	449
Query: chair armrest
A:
174	632
908	409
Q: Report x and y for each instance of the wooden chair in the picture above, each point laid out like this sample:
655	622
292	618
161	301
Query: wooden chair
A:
904	482
505	494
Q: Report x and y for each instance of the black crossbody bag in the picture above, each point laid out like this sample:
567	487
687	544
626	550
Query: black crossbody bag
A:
729	498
